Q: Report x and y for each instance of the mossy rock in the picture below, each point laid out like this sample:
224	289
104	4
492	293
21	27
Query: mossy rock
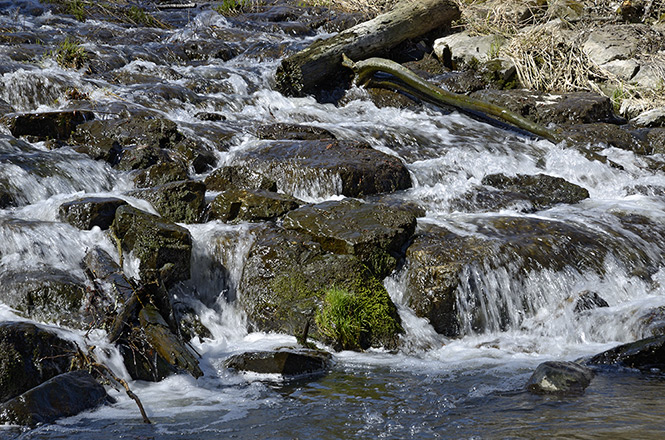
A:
177	201
250	205
88	212
140	157
46	295
284	282
29	356
160	174
375	233
163	248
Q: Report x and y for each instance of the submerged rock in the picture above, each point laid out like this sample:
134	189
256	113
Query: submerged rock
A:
374	233
560	378
284	361
29	356
47	295
64	395
250	205
292	132
330	167
163	248
589	300
645	354
88	212
541	190
177	201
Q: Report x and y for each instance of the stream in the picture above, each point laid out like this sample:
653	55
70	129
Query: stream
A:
433	387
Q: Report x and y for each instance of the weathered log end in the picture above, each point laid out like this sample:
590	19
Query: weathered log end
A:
319	66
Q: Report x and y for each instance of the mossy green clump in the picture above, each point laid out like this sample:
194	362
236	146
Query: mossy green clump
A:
70	55
231	7
358	318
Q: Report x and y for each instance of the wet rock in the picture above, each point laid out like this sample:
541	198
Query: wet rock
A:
88	212
250	205
198	156
542	190
372	232
47	125
652	323
163	248
440	262
645	354
140	157
95	138
600	133
177	201
7	194
284	284
284	361
569	108
560	378
46	295
159	174
589	300
5	108
64	395
190	325
238	177
29	356
349	168
141	359
293	132
210	49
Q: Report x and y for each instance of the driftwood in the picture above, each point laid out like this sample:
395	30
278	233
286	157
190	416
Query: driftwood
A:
405	80
320	63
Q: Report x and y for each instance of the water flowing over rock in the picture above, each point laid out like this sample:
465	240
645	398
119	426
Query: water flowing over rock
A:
163	248
328	167
62	396
238	177
47	294
560	378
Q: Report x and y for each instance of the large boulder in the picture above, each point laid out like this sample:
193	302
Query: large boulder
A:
620	42
645	354
287	362
64	395
560	378
285	281
88	212
328	167
250	205
440	262
163	248
29	356
375	233
46	294
176	201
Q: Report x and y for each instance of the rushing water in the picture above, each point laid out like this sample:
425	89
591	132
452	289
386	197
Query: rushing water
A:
433	387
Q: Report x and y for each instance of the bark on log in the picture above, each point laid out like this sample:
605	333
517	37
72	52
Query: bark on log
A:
405	80
318	64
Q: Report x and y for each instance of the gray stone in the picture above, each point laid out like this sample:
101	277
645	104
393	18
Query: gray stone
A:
622	69
560	378
619	42
651	74
462	48
651	118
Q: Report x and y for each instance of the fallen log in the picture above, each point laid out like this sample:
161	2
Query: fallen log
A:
404	80
306	71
